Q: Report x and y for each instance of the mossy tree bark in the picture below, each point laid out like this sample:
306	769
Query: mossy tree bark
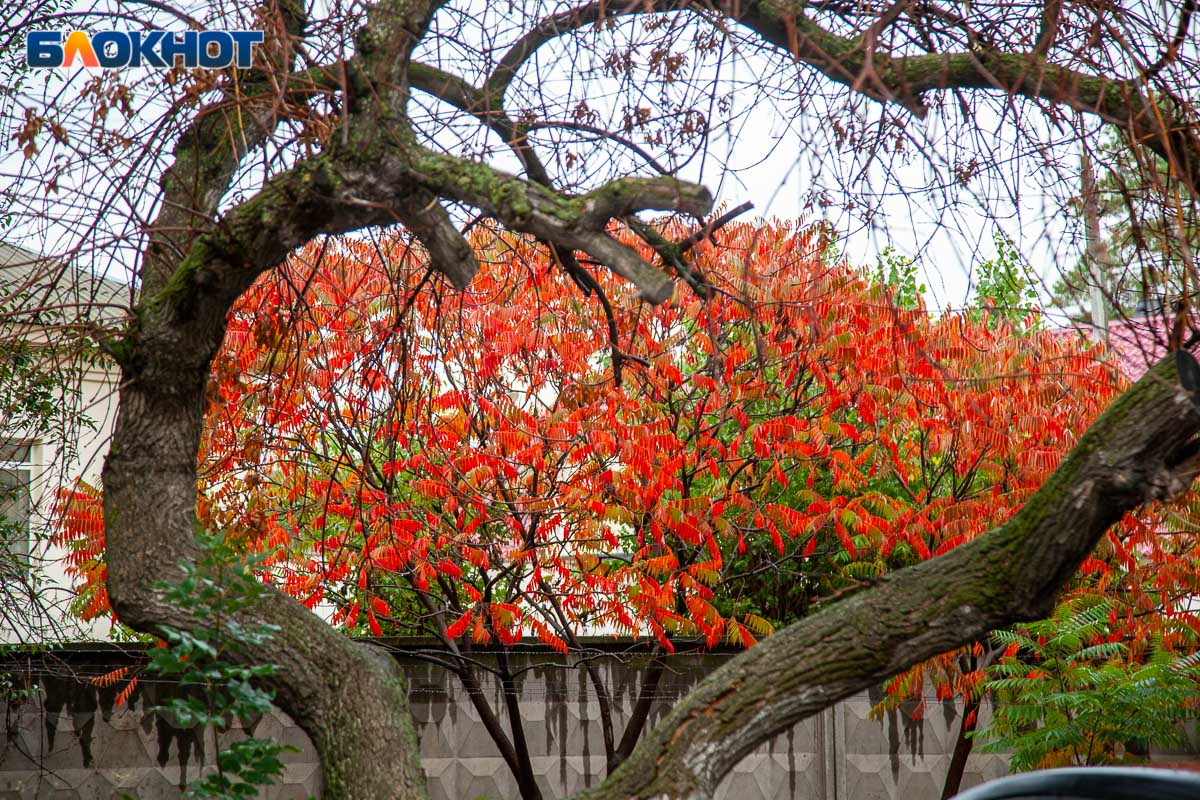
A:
1141	449
352	700
349	698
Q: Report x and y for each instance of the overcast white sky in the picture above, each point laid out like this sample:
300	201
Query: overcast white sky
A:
755	154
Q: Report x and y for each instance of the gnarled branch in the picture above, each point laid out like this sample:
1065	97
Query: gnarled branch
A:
1133	454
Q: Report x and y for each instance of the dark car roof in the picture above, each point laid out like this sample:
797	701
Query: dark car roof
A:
1091	783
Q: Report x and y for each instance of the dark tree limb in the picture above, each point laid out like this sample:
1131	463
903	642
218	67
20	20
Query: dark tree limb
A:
706	230
449	252
963	744
1170	52
1130	456
634	728
465	97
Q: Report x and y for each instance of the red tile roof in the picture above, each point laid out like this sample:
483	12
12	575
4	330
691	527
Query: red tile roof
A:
1136	343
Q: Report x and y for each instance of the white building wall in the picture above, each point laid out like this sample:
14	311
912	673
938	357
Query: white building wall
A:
41	303
56	468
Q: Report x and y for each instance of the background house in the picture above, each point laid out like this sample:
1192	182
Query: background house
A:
1138	342
57	405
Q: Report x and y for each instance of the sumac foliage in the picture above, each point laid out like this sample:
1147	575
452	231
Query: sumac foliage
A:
464	465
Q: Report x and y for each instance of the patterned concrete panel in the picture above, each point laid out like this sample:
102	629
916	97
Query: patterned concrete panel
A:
906	753
787	776
75	743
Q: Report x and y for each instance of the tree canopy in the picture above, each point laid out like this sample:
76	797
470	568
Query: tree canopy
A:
465	466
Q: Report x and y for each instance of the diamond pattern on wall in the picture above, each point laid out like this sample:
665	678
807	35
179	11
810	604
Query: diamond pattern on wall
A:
73	743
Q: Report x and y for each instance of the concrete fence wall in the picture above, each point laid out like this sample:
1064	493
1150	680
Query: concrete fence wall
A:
71	740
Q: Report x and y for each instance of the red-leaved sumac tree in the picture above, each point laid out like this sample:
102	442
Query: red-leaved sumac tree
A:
516	460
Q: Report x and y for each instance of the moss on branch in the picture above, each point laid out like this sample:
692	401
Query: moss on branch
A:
1008	575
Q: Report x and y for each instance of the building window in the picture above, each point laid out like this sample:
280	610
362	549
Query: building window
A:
16	473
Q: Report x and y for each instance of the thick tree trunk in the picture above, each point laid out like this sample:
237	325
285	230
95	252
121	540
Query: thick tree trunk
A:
526	780
351	699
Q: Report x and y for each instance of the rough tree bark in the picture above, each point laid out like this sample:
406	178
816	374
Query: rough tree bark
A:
1141	449
352	700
